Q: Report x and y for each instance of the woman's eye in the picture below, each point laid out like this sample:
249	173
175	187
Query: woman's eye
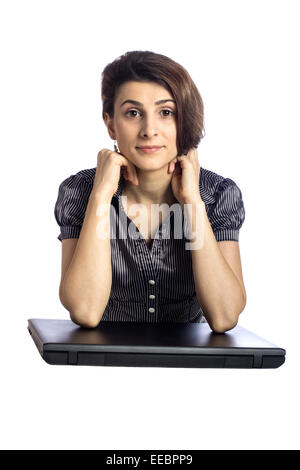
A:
132	111
170	113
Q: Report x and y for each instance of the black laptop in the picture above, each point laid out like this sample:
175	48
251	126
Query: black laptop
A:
152	345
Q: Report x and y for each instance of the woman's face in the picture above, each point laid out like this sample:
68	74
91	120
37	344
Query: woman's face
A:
145	123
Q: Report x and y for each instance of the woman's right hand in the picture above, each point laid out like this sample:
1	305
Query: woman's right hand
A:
107	175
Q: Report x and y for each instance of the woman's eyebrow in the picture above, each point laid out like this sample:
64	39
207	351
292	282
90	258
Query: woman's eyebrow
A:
137	103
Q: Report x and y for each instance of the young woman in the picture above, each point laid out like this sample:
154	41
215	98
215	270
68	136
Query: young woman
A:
148	235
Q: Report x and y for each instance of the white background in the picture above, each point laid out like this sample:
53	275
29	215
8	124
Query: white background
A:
244	59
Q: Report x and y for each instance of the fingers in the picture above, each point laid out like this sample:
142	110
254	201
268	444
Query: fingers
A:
129	169
178	169
191	155
125	173
171	165
131	173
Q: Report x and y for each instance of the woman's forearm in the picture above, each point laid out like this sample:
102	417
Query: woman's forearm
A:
218	290
87	284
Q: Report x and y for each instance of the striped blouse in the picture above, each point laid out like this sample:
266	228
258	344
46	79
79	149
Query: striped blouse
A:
151	284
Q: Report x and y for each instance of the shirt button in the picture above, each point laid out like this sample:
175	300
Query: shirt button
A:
151	310
151	296
151	281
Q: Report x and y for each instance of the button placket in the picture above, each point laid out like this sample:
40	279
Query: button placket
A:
151	297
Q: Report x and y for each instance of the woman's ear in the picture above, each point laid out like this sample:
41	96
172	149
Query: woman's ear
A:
109	125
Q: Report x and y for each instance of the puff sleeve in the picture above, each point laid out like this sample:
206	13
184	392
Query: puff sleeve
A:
71	204
228	212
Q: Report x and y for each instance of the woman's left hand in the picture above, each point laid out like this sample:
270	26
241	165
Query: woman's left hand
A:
185	178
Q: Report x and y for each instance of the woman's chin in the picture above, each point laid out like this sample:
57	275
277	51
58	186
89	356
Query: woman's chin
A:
150	167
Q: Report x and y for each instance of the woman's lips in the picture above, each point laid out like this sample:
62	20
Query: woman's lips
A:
149	150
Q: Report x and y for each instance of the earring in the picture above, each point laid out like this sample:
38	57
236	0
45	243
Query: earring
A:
116	148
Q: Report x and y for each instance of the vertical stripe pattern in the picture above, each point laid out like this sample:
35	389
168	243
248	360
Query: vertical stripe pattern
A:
151	284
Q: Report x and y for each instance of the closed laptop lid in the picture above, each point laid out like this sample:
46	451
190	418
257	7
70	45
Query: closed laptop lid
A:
162	338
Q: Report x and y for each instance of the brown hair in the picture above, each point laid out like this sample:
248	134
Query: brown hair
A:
145	66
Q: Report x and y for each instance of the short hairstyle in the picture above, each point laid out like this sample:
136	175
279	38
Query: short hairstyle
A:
147	66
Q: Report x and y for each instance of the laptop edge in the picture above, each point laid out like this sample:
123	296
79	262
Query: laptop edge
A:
66	353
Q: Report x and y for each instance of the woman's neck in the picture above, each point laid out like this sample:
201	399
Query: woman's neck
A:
151	190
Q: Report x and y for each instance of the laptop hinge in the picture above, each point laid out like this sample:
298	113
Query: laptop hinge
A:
73	357
257	361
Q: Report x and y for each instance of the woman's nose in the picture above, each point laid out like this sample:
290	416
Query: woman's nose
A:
149	127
